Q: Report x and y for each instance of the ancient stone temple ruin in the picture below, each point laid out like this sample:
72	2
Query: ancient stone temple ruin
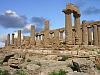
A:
72	50
79	34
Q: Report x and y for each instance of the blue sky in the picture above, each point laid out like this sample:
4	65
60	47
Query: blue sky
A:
16	14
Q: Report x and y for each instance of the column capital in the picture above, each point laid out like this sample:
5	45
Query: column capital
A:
89	26
51	32
94	25
67	11
76	15
98	25
13	34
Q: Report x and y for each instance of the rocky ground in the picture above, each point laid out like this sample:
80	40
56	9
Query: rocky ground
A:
79	60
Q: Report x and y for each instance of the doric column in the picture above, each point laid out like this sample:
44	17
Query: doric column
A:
5	43
73	36
99	35
32	39
68	27
33	33
13	38
89	35
8	40
16	42
84	33
46	38
46	23
19	38
95	35
77	29
56	37
46	32
61	34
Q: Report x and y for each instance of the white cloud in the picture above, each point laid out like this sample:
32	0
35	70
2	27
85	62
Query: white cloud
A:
27	28
11	13
12	20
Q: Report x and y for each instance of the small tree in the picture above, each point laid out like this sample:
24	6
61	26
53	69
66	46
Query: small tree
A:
61	72
3	72
20	72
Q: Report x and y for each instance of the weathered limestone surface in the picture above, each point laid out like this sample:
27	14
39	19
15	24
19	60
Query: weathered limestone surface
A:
12	39
61	32
73	36
89	35
77	29
84	33
46	38
19	38
67	37
46	23
46	33
56	38
99	35
32	37
8	40
95	35
68	27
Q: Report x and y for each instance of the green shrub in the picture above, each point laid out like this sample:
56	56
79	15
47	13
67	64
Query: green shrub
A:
98	67
3	72
98	52
20	72
61	72
64	58
53	73
1	62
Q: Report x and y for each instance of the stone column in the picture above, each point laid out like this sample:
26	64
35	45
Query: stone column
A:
13	38
73	36
99	35
8	40
46	38
19	38
32	39
5	43
16	42
77	29
46	23
89	35
95	35
61	34
84	33
46	33
68	27
33	33
56	37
